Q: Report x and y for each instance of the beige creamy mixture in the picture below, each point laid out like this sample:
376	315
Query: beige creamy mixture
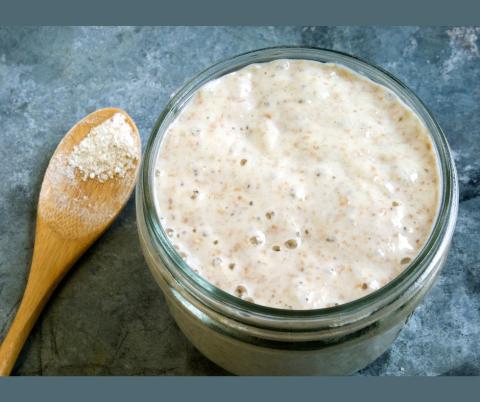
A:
296	184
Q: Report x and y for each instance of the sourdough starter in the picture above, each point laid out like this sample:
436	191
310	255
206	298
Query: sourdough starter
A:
296	184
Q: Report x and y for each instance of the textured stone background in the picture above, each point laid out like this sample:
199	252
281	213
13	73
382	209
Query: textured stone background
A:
108	317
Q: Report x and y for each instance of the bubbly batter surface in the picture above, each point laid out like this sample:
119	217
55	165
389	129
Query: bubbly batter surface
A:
296	184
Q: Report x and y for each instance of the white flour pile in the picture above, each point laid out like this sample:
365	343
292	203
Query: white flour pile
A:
106	152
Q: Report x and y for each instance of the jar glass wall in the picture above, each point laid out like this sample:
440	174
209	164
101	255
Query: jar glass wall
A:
247	338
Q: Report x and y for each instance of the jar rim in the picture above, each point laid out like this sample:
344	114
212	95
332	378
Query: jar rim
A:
202	289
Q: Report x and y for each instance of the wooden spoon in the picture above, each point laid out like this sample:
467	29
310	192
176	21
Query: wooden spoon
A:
71	215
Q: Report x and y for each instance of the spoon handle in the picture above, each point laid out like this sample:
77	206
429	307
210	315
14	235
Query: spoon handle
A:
32	304
52	257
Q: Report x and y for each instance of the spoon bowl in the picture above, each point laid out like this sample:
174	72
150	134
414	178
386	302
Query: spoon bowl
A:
74	207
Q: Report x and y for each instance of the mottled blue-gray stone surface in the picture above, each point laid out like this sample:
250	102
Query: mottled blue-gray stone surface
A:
108	317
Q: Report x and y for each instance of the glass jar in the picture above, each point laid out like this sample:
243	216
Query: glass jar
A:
251	339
